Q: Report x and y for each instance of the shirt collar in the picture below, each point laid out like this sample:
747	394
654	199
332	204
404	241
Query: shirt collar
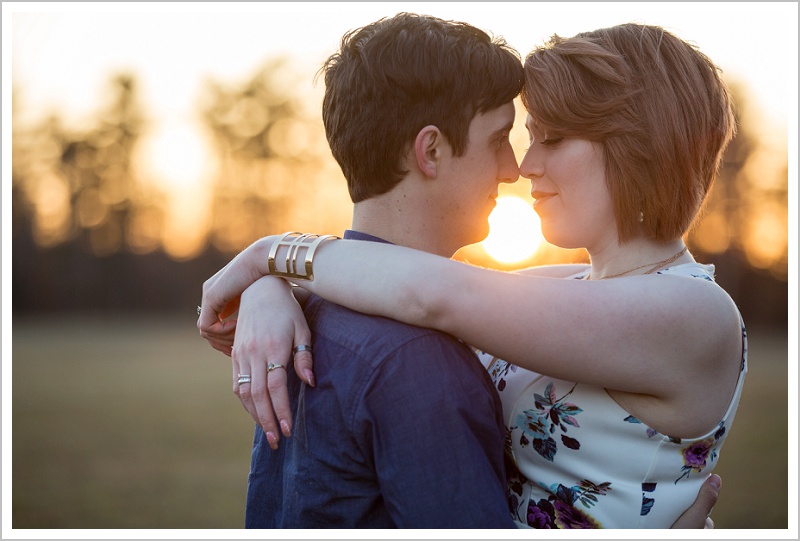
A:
358	235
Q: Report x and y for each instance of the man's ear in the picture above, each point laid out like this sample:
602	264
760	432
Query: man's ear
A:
428	150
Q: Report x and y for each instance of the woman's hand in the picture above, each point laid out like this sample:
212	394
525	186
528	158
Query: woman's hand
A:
221	296
220	334
221	292
270	324
250	340
698	515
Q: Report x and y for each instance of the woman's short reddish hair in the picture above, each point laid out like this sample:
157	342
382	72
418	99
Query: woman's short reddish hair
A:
658	106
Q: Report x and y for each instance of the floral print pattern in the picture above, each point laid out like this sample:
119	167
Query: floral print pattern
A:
550	421
565	506
560	506
631	419
499	371
647	503
560	509
697	455
549	413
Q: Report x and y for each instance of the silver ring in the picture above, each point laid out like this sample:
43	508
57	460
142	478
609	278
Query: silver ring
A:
198	310
301	347
273	366
243	378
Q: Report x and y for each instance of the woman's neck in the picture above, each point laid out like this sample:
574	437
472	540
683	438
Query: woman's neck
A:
636	257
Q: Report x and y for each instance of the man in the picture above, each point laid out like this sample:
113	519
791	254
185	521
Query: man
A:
403	427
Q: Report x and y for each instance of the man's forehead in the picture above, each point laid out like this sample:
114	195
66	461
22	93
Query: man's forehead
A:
499	118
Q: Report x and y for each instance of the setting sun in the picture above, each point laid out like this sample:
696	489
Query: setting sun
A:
514	231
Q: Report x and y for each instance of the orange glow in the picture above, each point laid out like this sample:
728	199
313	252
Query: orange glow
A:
763	168
186	225
766	235
144	231
51	200
91	209
514	231
176	155
713	234
290	137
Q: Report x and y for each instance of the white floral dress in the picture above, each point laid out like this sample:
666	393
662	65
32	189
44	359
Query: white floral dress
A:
579	460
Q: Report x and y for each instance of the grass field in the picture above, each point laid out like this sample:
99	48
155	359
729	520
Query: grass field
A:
131	423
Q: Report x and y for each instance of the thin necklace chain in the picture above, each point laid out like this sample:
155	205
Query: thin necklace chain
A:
655	266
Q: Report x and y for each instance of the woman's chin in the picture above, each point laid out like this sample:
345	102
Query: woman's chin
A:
560	239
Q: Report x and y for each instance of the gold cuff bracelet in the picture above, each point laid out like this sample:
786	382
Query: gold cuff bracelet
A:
295	242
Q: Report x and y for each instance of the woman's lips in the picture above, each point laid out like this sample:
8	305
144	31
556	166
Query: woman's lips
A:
541	197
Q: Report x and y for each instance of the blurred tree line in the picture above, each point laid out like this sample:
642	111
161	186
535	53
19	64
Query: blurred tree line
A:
89	229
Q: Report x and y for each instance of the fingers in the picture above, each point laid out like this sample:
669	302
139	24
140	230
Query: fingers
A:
221	292
303	358
223	344
697	516
209	314
220	335
253	395
266	396
221	348
221	295
709	493
279	395
262	402
266	320
242	389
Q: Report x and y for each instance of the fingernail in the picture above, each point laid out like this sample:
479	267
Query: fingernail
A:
310	377
285	428
272	440
715	481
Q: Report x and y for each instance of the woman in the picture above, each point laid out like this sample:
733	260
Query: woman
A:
635	362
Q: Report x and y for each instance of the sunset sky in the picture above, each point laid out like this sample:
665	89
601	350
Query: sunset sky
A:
62	52
60	56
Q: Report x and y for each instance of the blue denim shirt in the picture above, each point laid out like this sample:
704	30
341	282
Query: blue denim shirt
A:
403	430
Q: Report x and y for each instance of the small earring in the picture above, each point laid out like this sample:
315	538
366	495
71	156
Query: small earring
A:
641	217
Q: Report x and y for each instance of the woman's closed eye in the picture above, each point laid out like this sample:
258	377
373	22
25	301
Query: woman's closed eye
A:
552	141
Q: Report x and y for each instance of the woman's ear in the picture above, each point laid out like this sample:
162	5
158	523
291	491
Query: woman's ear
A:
427	150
